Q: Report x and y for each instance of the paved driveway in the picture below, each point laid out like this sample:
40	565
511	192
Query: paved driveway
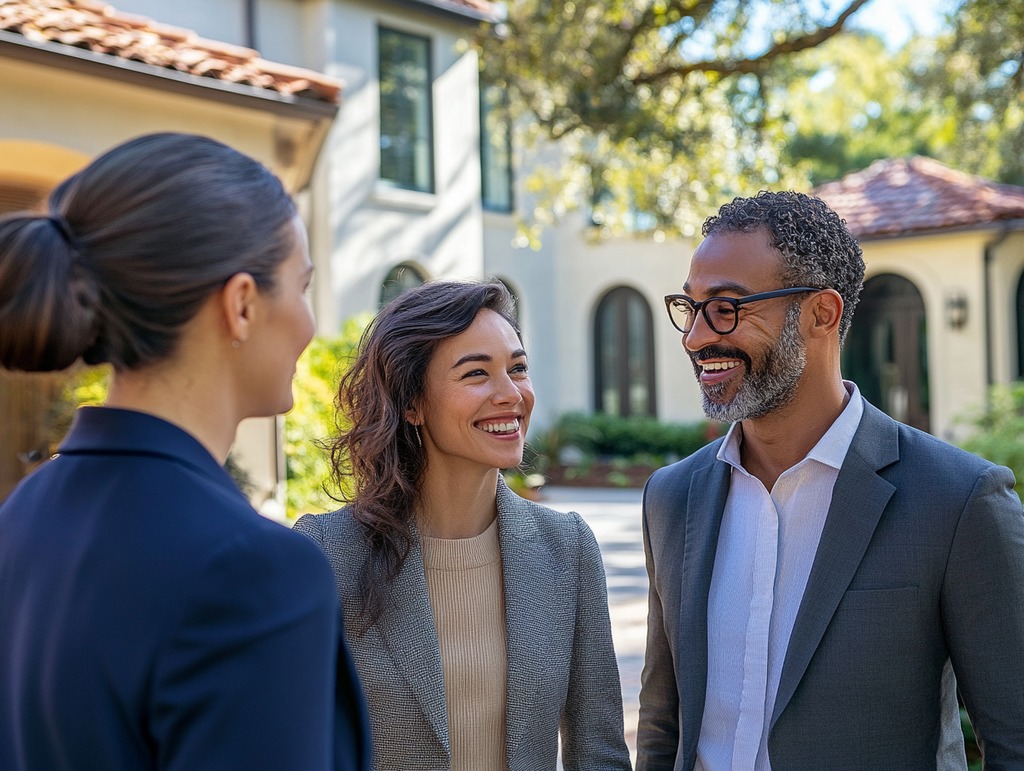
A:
614	516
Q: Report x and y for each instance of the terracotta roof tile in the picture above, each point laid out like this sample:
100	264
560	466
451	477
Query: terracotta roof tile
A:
898	196
98	27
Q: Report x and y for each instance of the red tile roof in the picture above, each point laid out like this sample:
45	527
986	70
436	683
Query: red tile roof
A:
98	27
900	196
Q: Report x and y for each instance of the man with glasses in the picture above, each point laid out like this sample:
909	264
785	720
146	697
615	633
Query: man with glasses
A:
822	578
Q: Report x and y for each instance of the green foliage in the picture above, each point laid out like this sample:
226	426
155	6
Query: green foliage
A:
956	98
852	101
640	440
974	757
999	430
83	386
656	108
312	420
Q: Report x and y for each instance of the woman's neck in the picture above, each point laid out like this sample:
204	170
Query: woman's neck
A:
455	505
185	399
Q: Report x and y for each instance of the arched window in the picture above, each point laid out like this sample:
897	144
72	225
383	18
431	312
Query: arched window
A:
400	278
624	354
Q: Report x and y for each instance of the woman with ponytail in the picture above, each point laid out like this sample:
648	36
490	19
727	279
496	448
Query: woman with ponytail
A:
149	617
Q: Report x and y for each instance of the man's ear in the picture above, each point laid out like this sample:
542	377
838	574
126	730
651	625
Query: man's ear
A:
825	313
237	305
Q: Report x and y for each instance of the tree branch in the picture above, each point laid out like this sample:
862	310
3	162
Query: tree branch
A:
756	63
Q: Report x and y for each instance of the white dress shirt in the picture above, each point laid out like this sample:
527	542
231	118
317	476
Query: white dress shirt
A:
765	551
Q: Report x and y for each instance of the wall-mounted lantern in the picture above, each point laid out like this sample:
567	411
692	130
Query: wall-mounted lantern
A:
956	311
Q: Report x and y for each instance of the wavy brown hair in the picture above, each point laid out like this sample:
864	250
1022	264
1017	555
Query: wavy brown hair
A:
378	449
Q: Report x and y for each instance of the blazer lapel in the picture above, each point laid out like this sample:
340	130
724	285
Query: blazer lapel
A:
408	631
858	499
709	489
528	587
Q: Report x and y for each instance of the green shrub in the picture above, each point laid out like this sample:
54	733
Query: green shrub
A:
999	430
312	420
640	440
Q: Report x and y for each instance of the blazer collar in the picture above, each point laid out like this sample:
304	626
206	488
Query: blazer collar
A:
858	499
529	583
410	636
705	504
113	431
408	631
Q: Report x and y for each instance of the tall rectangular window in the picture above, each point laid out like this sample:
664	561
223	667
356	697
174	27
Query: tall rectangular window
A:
495	148
406	111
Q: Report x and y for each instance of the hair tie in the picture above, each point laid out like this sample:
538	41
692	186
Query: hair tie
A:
64	228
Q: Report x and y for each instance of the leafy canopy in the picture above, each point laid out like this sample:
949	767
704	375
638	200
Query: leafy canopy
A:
656	106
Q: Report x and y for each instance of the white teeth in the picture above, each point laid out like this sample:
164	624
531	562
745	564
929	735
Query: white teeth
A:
719	366
500	428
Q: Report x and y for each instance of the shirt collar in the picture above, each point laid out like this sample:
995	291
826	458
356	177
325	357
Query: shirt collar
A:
830	450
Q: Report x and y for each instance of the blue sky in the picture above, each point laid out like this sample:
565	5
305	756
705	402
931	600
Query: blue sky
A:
896	20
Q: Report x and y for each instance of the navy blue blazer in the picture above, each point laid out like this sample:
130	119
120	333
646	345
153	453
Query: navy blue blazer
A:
150	619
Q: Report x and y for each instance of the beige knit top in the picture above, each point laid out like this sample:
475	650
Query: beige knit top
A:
466	593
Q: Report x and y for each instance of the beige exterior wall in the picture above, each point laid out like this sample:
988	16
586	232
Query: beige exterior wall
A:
560	287
58	119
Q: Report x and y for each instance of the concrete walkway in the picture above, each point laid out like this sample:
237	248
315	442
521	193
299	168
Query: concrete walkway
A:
614	516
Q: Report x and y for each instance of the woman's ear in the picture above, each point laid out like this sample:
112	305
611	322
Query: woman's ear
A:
237	306
826	312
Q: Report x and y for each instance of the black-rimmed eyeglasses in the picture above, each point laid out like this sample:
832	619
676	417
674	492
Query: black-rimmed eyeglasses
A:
721	313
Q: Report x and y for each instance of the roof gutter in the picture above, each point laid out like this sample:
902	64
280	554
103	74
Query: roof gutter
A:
452	10
128	71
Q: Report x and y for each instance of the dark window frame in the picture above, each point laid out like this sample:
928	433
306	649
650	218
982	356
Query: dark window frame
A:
488	151
621	297
428	94
393	279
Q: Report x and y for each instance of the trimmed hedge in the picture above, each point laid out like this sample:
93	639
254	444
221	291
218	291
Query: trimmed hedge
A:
641	439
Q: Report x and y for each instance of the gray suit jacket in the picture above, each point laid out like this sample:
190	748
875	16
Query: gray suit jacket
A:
561	664
920	565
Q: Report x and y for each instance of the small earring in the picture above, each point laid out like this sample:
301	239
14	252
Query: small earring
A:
419	439
236	343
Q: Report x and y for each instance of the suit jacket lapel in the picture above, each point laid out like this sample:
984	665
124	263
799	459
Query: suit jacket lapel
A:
528	586
709	489
858	499
410	636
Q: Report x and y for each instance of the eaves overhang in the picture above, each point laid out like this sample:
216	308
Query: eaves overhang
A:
452	9
102	65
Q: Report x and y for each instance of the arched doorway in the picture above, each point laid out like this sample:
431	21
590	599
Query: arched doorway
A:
25	399
30	403
624	354
886	352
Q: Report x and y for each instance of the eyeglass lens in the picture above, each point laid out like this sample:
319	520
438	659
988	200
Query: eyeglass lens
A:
719	313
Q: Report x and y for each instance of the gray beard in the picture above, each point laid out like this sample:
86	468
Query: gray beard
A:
766	387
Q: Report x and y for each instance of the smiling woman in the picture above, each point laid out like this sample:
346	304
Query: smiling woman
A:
479	620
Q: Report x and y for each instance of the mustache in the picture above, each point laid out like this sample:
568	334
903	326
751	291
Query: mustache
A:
719	352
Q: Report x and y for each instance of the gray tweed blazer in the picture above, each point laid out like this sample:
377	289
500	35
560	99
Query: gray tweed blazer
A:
561	664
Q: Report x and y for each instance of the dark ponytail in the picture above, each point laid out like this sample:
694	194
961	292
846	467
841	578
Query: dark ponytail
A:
132	247
48	304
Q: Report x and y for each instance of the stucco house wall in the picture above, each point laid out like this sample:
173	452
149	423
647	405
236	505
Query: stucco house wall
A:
59	114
